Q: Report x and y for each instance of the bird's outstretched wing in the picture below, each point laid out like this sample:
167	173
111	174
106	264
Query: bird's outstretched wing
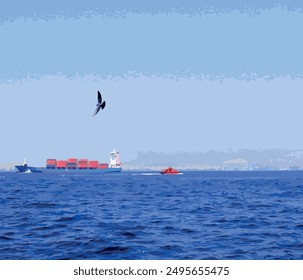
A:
103	105
99	97
97	110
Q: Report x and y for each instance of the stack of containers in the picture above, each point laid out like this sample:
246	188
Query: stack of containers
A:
103	165
83	163
72	163
61	164
93	164
51	163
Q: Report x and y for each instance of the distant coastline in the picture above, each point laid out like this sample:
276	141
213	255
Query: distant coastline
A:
242	160
8	166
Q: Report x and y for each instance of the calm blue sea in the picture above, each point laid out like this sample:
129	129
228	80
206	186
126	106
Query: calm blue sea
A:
137	215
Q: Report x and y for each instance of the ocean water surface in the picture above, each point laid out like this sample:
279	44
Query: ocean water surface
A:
138	215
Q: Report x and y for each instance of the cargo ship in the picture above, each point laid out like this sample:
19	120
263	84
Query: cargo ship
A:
74	165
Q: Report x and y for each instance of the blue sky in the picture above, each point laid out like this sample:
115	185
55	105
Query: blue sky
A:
176	75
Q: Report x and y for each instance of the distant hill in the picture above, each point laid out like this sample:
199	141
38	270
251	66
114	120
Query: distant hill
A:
271	159
7	166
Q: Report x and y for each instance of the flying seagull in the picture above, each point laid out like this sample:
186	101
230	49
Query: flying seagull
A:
100	104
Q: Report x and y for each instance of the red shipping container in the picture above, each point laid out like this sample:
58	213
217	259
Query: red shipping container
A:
83	163
51	161
61	163
72	163
103	165
72	160
93	164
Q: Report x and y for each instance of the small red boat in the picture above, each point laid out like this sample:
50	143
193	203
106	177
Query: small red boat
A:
170	171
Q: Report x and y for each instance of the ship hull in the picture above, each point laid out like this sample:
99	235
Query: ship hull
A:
28	169
163	173
31	169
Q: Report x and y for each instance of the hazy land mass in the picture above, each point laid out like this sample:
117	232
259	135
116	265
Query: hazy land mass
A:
271	159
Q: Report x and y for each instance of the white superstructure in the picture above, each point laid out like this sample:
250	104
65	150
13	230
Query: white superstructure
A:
115	160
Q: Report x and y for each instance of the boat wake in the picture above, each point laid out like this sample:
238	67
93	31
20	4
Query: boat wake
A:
146	174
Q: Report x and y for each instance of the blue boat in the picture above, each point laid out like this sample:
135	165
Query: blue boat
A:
24	168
